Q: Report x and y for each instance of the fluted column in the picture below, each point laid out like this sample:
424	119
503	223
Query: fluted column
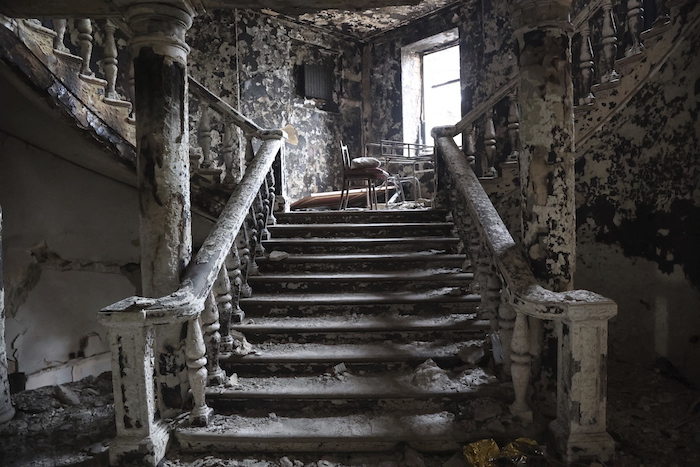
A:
6	409
547	140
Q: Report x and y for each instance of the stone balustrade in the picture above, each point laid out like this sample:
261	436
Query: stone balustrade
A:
513	301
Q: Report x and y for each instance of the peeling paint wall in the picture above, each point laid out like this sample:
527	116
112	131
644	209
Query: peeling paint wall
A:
71	247
638	215
254	62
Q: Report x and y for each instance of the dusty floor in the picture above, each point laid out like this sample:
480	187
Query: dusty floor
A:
653	416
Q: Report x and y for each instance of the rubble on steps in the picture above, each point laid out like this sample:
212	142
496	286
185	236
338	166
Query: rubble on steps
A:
654	419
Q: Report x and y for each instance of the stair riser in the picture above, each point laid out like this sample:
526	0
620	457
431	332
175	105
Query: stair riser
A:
285	445
449	246
285	407
259	285
354	217
257	309
395	231
366	337
360	266
248	369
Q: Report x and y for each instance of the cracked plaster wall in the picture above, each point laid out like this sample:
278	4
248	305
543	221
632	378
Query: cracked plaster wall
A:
70	248
252	61
638	216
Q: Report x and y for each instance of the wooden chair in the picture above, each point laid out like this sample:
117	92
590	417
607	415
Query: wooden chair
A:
368	176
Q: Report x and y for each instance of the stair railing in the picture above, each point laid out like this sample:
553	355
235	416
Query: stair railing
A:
512	300
608	31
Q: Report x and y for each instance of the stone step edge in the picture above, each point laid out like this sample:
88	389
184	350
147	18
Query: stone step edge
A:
373	387
361	225
359	240
279	353
355	298
463	322
419	275
437	255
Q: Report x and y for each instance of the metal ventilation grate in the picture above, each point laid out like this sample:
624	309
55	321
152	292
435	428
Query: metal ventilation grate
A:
318	82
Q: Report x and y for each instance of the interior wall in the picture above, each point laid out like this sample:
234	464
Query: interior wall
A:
253	61
638	200
70	248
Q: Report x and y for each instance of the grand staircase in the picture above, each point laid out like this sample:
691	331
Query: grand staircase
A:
357	339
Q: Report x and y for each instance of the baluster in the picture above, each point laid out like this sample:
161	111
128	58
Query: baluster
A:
514	126
662	16
204	135
242	243
487	168
110	61
471	147
195	351
506	322
59	25
85	38
520	368
257	226
635	24
132	91
235	274
231	159
586	65
266	209
271	219
249	150
212	337
609	41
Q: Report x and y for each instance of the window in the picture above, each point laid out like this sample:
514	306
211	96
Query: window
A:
431	91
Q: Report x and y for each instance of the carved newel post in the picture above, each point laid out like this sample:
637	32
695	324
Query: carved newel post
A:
6	409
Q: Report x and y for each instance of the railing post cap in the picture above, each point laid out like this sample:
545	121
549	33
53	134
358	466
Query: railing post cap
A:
273	134
440	131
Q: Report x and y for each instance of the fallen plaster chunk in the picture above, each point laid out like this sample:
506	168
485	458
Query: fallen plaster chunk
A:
471	354
66	395
278	255
413	458
428	374
241	346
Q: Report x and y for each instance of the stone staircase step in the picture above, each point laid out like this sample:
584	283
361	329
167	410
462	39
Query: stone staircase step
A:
362	323
361	245
363	328
376	229
361	262
359	282
331	353
365	432
405	385
353	217
447	299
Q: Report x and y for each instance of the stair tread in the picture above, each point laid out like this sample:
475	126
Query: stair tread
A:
356	427
386	351
451	274
428	255
441	295
360	240
349	386
357	323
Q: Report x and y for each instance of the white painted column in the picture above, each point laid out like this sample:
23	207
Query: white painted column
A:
6	409
547	140
160	81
